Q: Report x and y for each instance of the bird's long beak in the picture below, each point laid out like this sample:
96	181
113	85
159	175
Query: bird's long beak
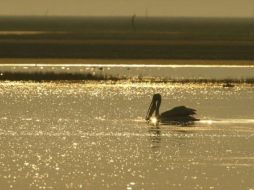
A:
150	110
154	106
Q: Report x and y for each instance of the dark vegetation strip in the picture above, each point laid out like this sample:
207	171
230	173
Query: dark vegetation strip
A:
225	81
52	76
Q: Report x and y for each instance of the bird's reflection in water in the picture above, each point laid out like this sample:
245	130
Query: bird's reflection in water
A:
155	136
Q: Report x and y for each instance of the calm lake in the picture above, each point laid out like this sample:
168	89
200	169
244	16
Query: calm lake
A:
92	135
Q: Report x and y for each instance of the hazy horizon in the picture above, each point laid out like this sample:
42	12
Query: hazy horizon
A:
128	16
160	8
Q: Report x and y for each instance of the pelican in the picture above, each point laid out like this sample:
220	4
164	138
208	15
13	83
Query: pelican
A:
180	115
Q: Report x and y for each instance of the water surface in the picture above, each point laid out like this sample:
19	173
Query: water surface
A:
91	135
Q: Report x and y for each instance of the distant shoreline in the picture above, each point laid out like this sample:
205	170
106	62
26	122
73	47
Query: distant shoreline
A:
6	61
122	38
